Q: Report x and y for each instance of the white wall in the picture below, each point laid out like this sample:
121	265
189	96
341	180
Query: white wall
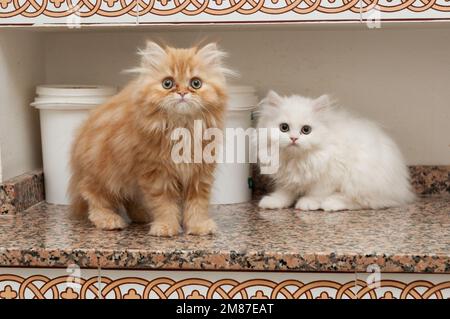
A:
21	68
399	77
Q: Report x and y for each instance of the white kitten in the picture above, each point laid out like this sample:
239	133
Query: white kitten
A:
331	159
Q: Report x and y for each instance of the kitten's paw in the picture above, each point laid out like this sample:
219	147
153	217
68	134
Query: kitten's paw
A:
107	220
272	202
334	204
307	203
202	227
160	229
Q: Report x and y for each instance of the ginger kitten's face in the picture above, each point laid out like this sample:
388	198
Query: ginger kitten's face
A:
183	81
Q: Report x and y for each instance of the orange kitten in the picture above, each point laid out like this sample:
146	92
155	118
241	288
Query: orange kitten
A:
122	153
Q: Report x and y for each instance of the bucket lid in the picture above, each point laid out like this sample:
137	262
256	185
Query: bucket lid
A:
75	90
64	107
71	97
68	103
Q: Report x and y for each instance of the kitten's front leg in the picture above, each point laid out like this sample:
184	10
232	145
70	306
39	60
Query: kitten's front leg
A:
161	199
196	220
308	203
102	212
338	201
281	198
313	196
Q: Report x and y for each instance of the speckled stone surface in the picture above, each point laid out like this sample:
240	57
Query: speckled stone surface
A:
21	192
414	238
430	180
426	180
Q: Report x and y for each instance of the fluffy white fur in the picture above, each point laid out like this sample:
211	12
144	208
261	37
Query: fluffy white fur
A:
345	163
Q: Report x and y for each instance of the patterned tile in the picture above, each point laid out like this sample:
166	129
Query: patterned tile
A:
126	284
38	283
217	11
403	286
76	283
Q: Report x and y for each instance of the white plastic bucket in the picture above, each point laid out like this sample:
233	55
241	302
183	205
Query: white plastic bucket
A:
231	183
62	109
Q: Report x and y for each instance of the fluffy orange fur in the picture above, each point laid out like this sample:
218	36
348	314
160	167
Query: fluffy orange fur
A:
121	157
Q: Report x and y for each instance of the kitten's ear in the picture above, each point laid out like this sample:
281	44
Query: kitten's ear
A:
152	55
323	102
272	99
213	57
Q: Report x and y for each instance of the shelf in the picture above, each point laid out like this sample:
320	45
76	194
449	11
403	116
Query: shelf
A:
409	239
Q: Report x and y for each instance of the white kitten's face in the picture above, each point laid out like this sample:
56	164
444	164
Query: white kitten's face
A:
297	119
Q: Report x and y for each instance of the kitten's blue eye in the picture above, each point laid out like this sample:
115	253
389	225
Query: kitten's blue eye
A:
284	127
196	83
167	83
306	129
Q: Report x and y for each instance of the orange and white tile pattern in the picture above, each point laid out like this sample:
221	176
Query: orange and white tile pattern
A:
33	283
135	284
404	286
221	11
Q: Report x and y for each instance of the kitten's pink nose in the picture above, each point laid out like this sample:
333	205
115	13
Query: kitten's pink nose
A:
182	93
293	139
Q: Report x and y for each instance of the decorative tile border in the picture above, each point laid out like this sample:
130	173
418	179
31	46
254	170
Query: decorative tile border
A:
330	286
198	288
426	180
221	11
20	283
38	283
321	289
406	286
19	193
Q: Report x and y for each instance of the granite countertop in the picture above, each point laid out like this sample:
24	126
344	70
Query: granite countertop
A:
415	238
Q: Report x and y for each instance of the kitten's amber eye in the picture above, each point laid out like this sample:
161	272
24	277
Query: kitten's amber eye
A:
306	129
196	83
284	127
167	83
